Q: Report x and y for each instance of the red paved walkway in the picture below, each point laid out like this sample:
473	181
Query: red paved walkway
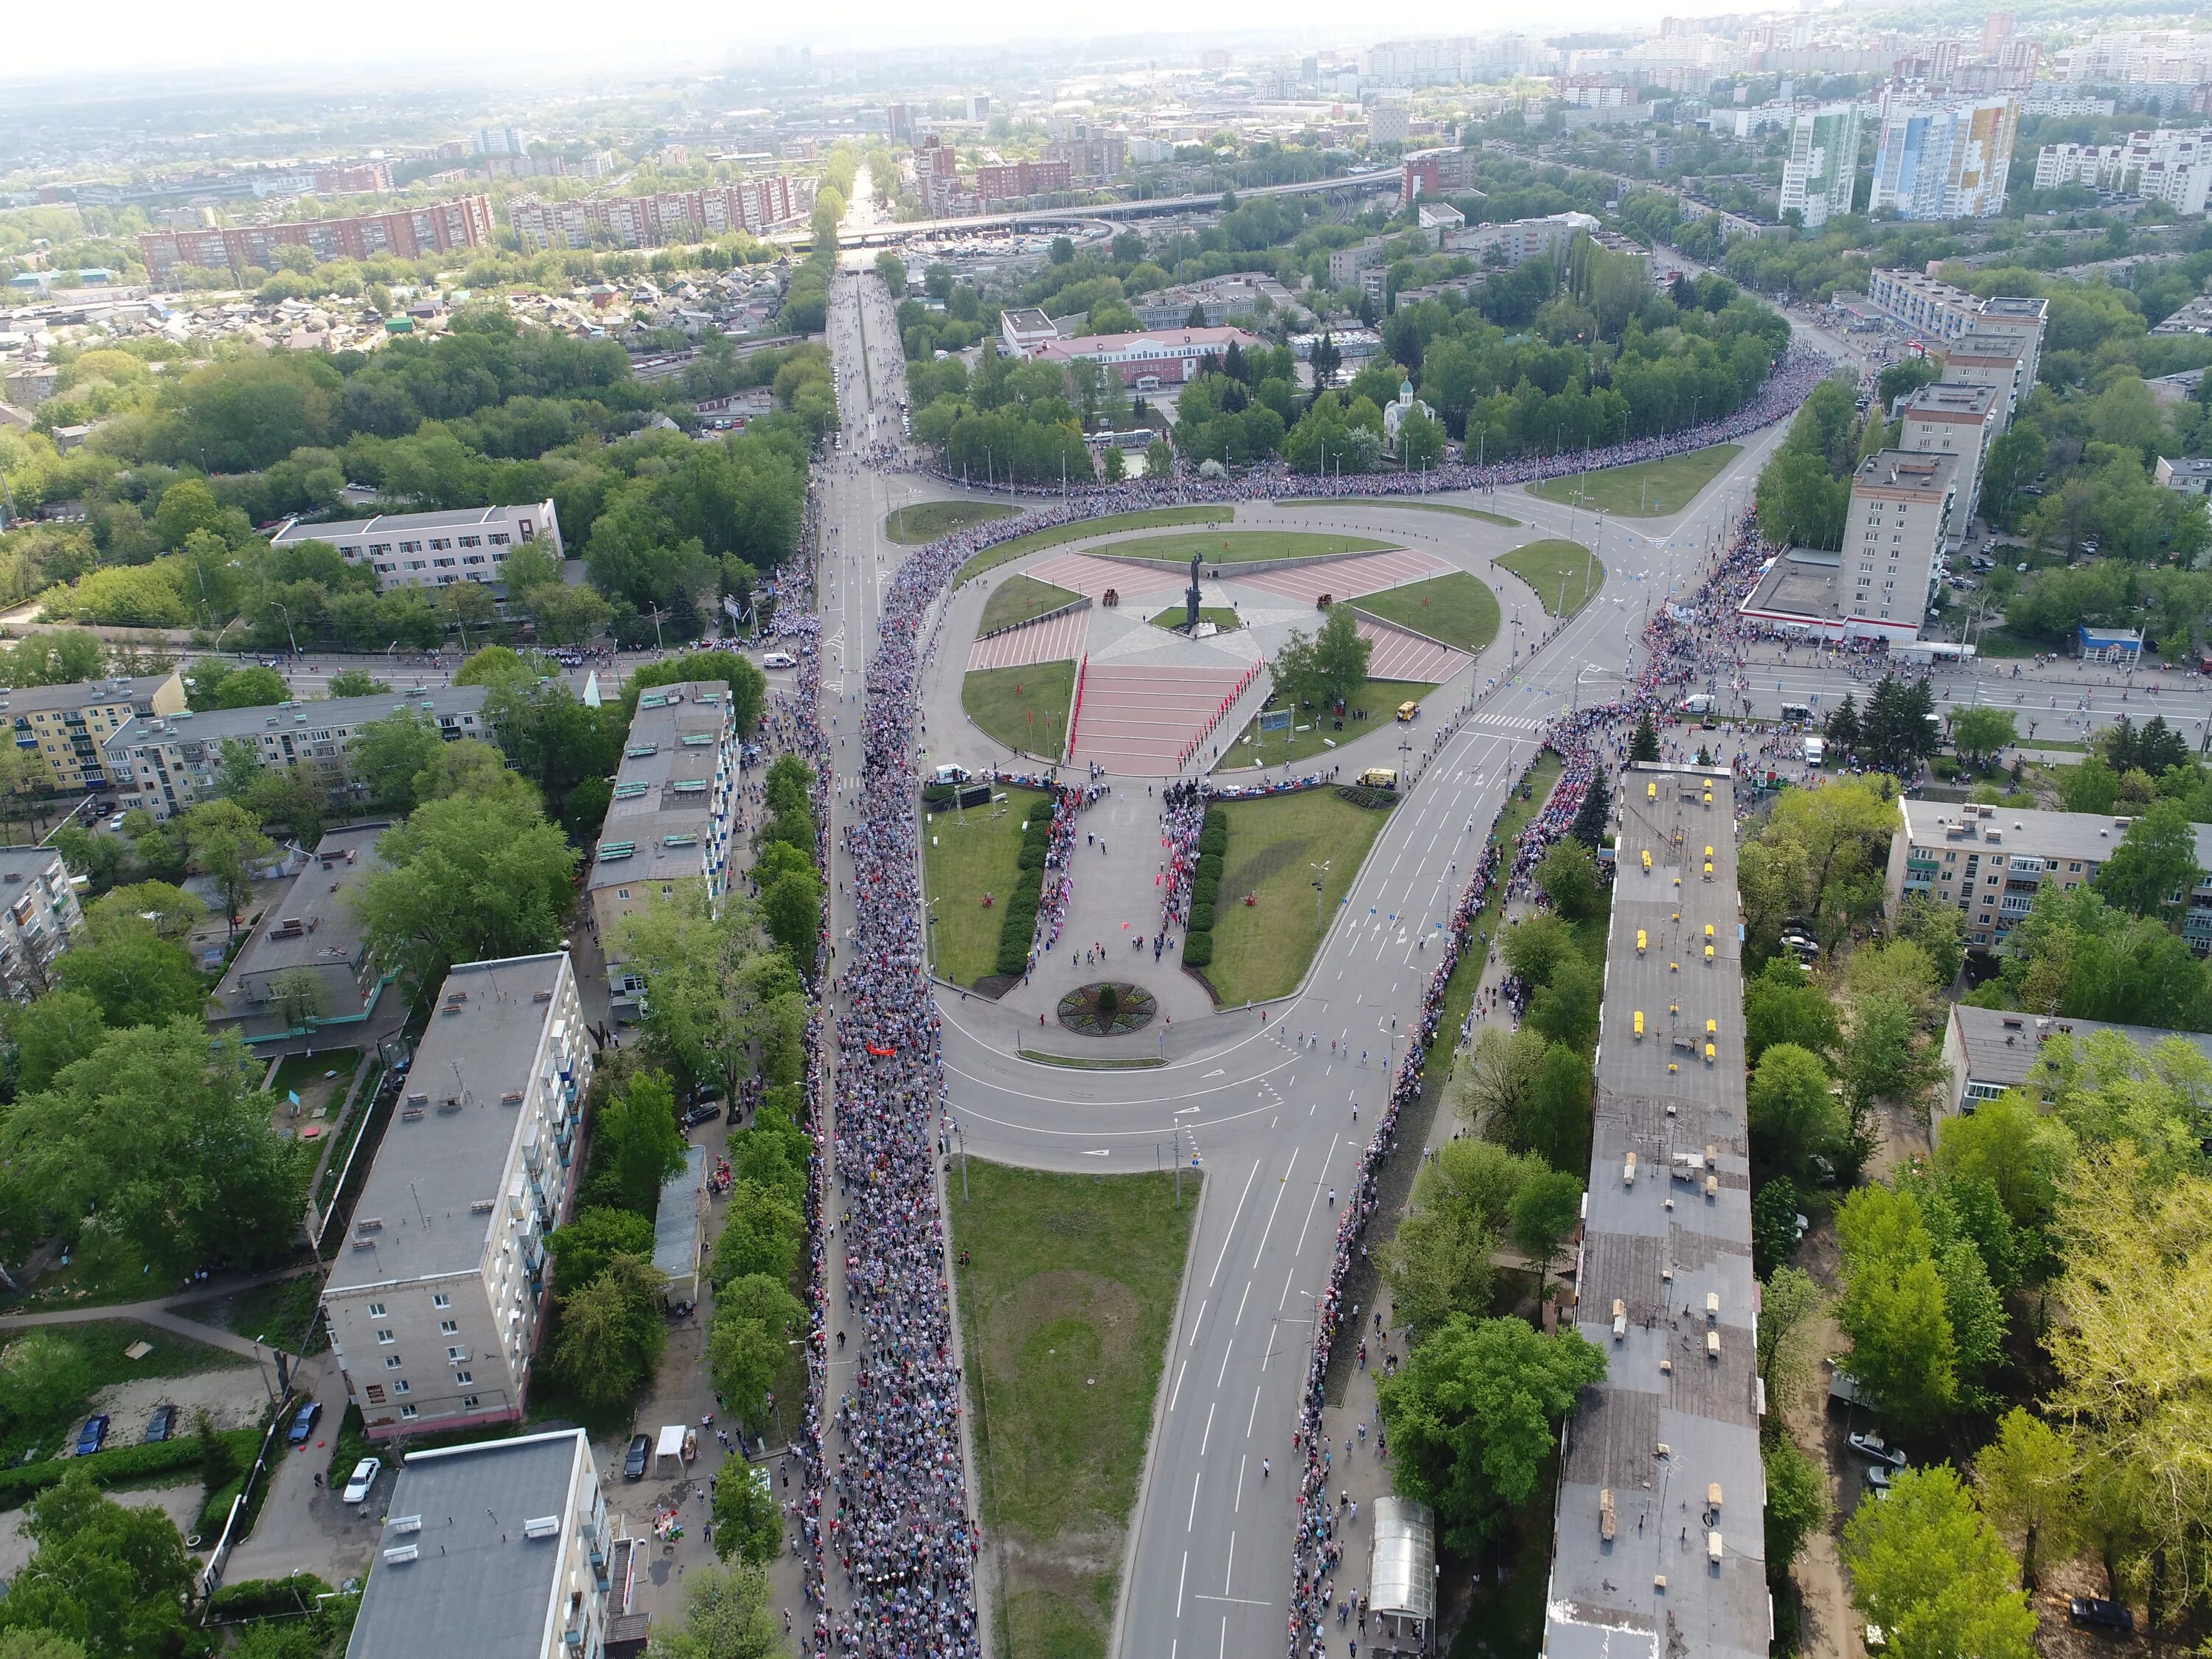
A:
1402	655
1053	639
1084	575
1141	719
1347	578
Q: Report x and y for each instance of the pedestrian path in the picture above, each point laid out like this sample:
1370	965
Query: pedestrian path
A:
1048	639
1138	720
1081	574
1346	579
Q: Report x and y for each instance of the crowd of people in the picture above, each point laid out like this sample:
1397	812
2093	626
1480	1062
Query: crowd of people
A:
1801	369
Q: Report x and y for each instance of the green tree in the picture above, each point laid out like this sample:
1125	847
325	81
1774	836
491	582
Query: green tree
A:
1340	655
1978	734
465	880
2025	1479
1644	745
1568	877
1887	1058
611	1331
635	1143
717	999
1796	1501
1940	931
110	1579
1904	1352
755	1319
59	1027
1789	1301
1781	1005
748	1521
227	846
1544	1211
761	1235
1539	947
1439	1262
2153	870
387	754
199	1174
1473	1417
726	1616
791	910
1567	1010
584	1248
1492	1087
1928	1568
357	683
1793	1119
1554	1125
43	1375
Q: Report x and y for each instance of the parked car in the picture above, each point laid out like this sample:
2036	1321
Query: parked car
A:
363	1477
161	1425
303	1424
1878	1478
2095	1612
702	1113
1873	1445
93	1435
639	1456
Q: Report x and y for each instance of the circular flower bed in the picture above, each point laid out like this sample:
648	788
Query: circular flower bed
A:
1112	1008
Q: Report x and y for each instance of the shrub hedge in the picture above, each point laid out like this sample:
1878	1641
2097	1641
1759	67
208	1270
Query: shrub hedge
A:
1205	887
1197	950
18	1486
1019	925
257	1598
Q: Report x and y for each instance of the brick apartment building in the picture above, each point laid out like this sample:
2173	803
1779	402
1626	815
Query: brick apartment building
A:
675	216
441	227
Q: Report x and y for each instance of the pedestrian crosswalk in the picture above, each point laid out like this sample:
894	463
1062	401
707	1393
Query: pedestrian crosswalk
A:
1507	722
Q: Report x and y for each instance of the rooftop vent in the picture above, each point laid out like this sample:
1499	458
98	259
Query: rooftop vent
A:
544	1526
403	1524
400	1553
372	1224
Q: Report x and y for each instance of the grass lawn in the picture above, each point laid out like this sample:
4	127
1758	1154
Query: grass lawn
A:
1411	506
1647	489
1459	608
991	557
1002	700
1242	546
1541	565
1262	951
278	1312
924	521
1996	642
1307	736
964	855
1018	599
1219	614
1066	1309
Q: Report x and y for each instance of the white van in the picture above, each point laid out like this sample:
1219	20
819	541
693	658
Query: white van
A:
778	659
1697	703
953	774
1816	751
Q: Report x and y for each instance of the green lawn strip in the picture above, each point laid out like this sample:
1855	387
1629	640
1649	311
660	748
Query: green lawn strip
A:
1019	600
1996	643
1395	1179
1066	1308
1096	1063
334	1162
1458	610
1645	490
1025	707
1559	570
1262	951
1224	619
966	854
1380	698
926	521
1407	507
1241	546
1111	524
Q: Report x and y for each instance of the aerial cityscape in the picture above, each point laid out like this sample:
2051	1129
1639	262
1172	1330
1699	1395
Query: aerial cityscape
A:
602	617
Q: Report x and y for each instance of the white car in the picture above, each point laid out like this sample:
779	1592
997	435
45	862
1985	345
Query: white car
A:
364	1477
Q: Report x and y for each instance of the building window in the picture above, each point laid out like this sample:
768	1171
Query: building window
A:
457	1353
447	1327
391	1362
385	1336
468	1403
464	1378
376	1311
376	1393
407	1414
399	1386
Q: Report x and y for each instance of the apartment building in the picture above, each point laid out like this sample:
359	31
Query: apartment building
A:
505	1549
2020	321
1948	418
307	967
437	1297
1012	180
1922	303
2189	476
669	216
452	226
1217	298
1993	362
1516	241
669	823
67	727
2171	165
1147	360
1877	585
1434	172
1991	1051
1390	122
1945	160
1991	861
433	550
1093	154
166	763
38	916
1822	168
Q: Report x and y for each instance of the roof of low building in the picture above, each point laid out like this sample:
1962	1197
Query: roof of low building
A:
454	517
2005	1048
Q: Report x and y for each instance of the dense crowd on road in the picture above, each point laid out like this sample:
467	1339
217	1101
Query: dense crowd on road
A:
1800	370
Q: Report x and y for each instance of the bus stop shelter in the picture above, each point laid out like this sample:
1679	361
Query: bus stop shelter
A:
1402	1577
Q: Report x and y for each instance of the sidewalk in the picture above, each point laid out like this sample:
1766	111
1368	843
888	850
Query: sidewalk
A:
155	1312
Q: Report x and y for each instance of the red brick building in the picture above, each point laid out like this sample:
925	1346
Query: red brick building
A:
441	227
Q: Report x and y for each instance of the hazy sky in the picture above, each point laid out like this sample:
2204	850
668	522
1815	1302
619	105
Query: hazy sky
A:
686	36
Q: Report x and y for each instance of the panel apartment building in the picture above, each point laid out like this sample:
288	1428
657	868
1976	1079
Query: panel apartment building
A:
504	1549
433	550
440	228
308	966
67	727
1822	168
669	217
1948	418
437	1297
1945	160
1990	861
1877	585
669	823
38	916
2171	165
167	762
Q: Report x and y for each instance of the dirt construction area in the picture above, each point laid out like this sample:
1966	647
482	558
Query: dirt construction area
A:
234	1398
